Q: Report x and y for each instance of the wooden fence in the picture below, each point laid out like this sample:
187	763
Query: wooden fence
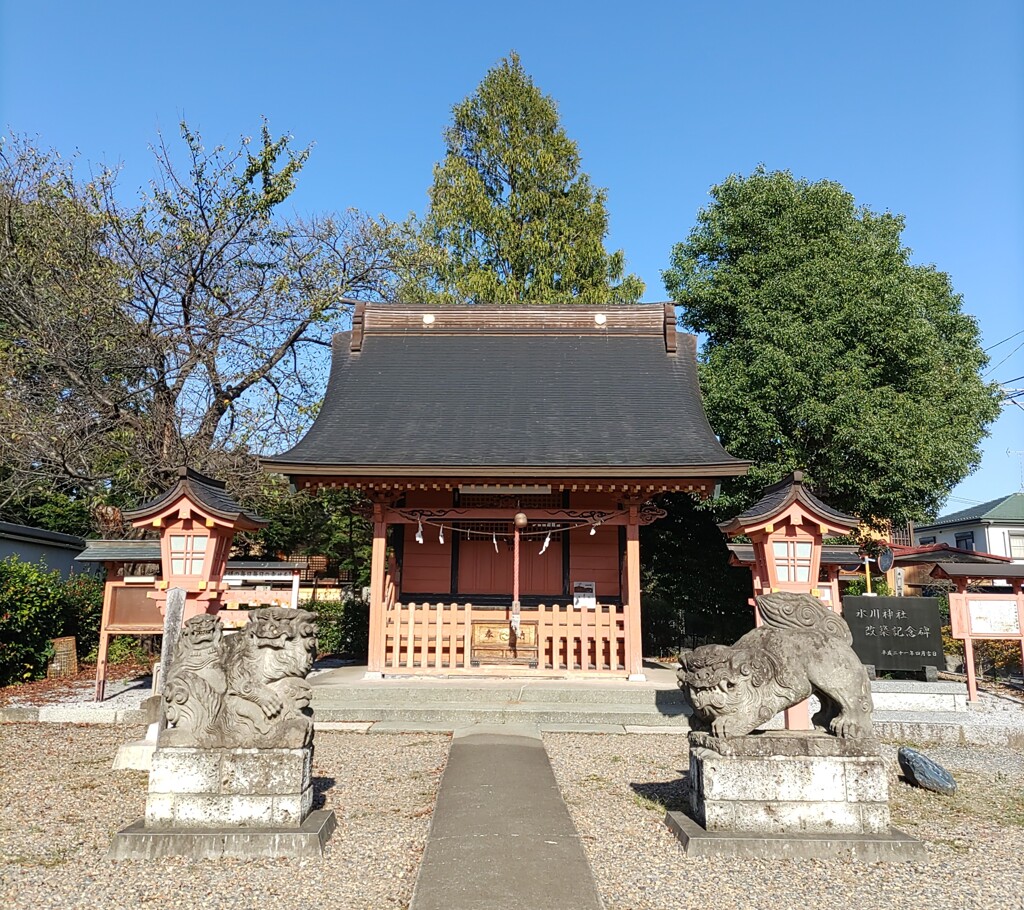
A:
436	638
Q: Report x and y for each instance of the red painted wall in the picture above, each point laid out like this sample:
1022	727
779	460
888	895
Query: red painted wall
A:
427	567
596	558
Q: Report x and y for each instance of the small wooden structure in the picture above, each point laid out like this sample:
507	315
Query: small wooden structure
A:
974	615
509	457
196	520
787	528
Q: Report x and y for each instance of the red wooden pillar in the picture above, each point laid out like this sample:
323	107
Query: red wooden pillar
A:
378	627
104	642
634	644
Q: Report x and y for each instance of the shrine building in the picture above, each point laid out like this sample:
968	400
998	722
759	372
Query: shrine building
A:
509	456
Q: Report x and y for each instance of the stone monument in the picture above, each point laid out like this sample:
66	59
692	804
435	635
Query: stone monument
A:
817	793
232	771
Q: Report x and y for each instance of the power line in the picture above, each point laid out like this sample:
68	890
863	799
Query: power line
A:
1014	335
969	502
1007	357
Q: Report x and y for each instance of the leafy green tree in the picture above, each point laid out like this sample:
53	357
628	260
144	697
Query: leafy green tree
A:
65	353
691	595
320	523
512	218
825	349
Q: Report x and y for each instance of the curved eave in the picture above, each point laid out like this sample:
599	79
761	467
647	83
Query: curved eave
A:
183	490
750	521
644	472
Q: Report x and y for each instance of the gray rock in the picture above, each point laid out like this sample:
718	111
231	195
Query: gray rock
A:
922	772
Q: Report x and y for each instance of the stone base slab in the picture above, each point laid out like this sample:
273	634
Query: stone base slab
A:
305	841
788	783
134	756
214	788
891	846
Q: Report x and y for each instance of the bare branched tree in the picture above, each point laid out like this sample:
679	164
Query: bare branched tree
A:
187	328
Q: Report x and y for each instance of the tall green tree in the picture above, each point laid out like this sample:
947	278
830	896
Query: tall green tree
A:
512	219
826	349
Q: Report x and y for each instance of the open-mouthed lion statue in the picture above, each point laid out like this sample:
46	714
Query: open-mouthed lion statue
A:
802	649
247	690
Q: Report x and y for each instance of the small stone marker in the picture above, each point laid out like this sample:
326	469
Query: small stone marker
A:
138	755
922	772
172	631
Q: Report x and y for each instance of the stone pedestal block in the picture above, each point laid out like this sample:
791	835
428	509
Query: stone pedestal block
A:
225	788
788	782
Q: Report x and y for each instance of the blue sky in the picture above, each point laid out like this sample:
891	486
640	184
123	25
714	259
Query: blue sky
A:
915	107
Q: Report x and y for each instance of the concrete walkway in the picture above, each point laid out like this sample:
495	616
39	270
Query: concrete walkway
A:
501	836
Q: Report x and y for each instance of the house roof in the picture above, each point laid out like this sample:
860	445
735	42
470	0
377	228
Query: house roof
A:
11	531
518	391
1005	509
934	552
778	497
206	492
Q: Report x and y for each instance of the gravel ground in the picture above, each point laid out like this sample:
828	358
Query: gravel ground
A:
618	787
60	804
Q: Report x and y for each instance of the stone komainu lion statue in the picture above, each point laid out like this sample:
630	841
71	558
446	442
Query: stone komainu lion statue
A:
246	690
802	649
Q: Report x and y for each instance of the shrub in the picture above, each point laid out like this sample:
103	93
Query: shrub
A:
858	586
31	614
127	649
343	627
83	611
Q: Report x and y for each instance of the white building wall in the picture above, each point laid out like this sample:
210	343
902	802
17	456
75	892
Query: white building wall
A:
994	538
1000	539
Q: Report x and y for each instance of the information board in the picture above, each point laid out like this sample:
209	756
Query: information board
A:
895	633
993	617
584	595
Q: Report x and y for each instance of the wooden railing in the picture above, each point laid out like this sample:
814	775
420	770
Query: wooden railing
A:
436	638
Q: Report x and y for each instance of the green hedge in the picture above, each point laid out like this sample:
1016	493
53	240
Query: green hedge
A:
343	627
37	605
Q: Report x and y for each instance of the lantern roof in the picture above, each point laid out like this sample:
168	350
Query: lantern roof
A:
206	494
779	498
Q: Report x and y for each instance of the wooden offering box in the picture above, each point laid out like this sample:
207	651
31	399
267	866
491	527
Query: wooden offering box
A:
495	642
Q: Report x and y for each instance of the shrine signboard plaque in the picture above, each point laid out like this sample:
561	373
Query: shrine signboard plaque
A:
495	642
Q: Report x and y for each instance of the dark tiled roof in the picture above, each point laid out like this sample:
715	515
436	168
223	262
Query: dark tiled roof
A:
120	551
207	492
831	554
933	552
149	551
780	495
1005	508
545	400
